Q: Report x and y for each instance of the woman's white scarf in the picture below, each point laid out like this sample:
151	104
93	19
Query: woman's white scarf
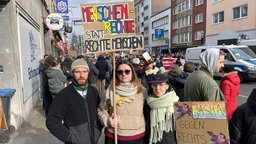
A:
128	91
161	115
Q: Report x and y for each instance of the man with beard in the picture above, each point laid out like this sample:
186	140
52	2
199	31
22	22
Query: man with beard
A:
73	115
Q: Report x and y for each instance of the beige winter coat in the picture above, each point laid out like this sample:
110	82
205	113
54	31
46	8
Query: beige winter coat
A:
130	115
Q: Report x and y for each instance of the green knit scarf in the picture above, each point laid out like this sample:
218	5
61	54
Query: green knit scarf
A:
161	115
81	89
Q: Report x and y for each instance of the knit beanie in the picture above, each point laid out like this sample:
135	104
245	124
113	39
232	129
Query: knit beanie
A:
79	63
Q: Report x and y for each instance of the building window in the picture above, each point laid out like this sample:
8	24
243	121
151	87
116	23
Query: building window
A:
240	12
199	35
166	34
146	7
218	17
182	7
214	1
199	2
145	18
199	18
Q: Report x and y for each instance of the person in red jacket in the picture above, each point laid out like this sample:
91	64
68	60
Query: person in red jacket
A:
229	85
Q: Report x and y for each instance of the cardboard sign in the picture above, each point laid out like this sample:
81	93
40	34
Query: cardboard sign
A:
72	53
110	27
201	123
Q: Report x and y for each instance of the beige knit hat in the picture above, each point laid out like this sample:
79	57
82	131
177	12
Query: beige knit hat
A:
79	63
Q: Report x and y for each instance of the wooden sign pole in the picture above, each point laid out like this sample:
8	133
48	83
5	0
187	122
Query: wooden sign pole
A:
114	92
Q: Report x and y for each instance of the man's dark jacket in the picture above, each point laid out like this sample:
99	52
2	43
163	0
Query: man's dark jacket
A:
73	119
242	126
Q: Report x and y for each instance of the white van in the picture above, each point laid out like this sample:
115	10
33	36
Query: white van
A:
242	57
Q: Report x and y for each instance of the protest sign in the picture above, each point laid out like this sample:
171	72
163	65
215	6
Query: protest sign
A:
201	123
110	27
168	62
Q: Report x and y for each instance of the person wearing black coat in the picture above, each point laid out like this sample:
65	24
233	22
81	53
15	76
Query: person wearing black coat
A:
66	66
72	117
242	126
94	72
102	66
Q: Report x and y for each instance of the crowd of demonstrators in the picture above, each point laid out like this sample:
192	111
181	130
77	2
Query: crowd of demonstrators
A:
159	110
230	86
200	85
72	117
130	97
144	89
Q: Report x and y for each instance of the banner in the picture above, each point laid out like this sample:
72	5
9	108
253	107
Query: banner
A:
110	27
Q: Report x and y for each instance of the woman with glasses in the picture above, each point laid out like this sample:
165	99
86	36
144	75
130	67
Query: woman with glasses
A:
130	96
159	110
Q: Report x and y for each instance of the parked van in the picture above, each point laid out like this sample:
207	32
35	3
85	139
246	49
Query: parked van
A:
240	56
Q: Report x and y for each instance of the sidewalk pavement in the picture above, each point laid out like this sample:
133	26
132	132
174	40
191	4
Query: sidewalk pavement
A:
34	131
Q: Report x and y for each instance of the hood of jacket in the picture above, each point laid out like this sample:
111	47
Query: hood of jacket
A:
209	59
51	73
233	78
251	101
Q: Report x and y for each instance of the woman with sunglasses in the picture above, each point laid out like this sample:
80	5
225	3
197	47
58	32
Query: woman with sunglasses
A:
159	110
130	96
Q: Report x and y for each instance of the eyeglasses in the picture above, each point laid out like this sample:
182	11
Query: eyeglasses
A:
126	72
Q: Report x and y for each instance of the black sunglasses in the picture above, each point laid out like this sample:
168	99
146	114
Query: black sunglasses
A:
120	72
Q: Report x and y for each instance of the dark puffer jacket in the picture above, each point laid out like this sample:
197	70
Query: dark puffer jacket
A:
242	126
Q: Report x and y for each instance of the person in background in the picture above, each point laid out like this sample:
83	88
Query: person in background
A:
66	66
230	86
174	72
200	85
178	83
242	125
159	110
150	68
47	97
109	72
130	97
56	78
102	66
135	63
73	115
94	72
158	62
81	57
178	61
